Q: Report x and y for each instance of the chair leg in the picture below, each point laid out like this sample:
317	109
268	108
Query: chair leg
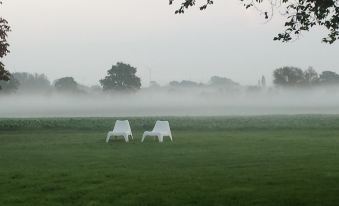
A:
143	137
161	138
171	138
126	137
108	137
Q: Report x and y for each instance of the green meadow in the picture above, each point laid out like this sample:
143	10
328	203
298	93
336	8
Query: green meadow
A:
249	160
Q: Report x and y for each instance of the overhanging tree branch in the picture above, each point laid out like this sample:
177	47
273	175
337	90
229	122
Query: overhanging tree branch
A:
302	15
4	29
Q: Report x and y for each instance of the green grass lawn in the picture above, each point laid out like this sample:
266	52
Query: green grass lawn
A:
264	160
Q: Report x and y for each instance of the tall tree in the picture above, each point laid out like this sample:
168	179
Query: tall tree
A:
4	29
263	81
311	76
121	77
217	81
288	76
9	86
328	78
66	84
32	82
301	15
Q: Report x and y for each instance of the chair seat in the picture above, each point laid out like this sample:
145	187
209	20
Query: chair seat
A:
161	130
121	128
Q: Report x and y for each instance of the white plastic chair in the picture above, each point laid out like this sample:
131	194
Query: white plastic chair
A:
121	128
161	129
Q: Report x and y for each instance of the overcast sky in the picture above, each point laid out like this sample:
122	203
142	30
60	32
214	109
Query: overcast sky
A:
83	38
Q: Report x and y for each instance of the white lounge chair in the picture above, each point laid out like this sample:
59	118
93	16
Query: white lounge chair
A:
121	128
161	129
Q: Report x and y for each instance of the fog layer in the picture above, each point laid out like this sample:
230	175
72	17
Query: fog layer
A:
189	102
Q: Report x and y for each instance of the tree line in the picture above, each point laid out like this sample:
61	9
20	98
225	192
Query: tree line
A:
122	78
296	77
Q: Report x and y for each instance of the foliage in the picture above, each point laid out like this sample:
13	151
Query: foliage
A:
4	74
288	76
121	77
311	77
292	76
10	85
329	77
32	82
4	29
184	84
302	15
222	81
66	84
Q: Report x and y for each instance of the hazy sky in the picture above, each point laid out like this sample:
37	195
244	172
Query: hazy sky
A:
83	38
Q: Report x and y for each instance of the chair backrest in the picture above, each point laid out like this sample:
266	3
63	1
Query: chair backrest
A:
162	126
122	126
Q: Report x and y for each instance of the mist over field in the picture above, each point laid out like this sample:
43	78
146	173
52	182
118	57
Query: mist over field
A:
188	102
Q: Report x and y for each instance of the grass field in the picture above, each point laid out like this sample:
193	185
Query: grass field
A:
263	160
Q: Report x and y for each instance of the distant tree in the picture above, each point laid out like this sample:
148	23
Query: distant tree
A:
66	84
301	15
288	76
263	81
311	77
253	89
221	82
4	74
121	77
4	29
184	84
32	82
154	85
96	88
188	83
174	84
329	77
9	86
